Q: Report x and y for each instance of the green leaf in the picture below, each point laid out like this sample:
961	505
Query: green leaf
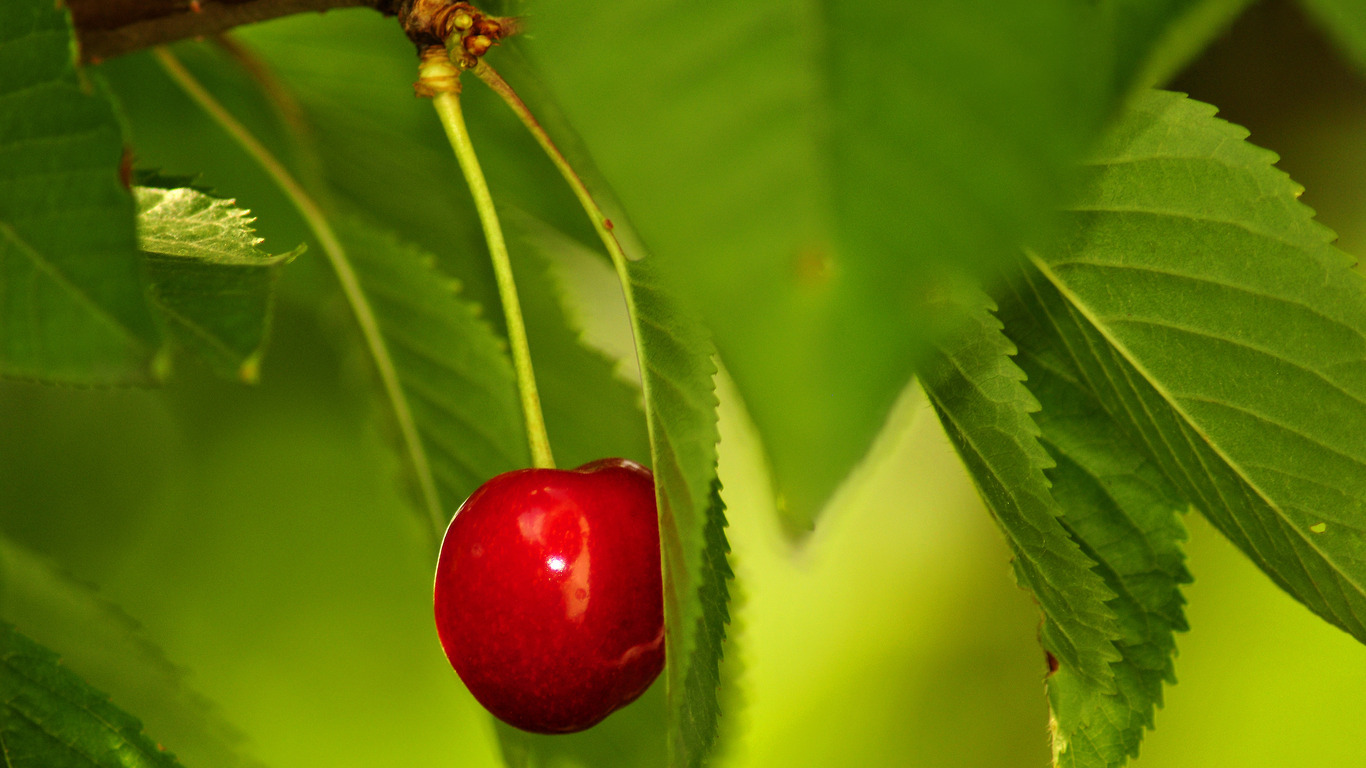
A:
73	303
813	176
1212	318
680	403
455	378
52	719
1345	21
210	281
976	390
697	709
107	648
1124	513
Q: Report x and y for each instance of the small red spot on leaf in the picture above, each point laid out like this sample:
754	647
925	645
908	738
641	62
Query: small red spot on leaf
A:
1052	662
607	224
126	168
813	265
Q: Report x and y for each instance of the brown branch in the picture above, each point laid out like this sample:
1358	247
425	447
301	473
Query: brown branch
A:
109	28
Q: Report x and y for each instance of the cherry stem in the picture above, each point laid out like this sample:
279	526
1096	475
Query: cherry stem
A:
317	222
440	78
590	206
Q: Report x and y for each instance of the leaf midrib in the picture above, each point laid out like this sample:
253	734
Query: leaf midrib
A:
1186	419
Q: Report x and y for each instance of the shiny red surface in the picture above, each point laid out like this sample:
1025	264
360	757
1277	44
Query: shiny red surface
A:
548	594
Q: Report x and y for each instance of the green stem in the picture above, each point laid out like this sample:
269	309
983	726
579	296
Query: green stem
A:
440	74
600	222
336	256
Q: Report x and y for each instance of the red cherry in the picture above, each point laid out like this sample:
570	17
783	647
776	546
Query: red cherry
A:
549	598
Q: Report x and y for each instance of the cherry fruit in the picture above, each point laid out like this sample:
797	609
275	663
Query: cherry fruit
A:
549	598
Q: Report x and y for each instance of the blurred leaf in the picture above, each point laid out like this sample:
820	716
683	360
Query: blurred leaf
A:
1185	37
212	283
680	403
977	392
1345	21
53	719
73	303
814	177
1210	315
455	376
103	645
1123	512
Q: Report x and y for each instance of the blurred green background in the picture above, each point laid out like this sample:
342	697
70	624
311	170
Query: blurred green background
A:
261	538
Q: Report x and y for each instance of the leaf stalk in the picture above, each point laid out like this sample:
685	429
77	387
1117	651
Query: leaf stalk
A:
439	79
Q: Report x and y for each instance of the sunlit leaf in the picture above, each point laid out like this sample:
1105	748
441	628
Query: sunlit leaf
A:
50	718
1210	315
73	303
1124	513
212	283
976	389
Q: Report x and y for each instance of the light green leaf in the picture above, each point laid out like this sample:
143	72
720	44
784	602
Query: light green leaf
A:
1345	21
73	303
1124	513
209	279
50	718
976	390
814	175
108	649
454	373
1210	315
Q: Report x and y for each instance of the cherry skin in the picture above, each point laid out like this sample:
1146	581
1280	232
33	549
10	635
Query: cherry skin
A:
549	599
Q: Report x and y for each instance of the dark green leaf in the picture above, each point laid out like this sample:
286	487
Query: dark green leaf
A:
52	719
1210	315
108	649
212	284
1123	512
976	390
73	303
680	403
